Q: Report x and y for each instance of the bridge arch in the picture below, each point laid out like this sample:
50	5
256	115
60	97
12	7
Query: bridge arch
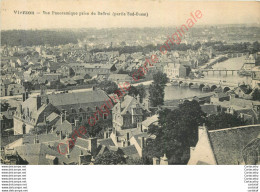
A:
213	87
226	89
190	84
201	86
180	82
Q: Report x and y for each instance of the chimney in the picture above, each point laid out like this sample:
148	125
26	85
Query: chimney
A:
36	140
156	161
127	136
68	150
26	94
138	98
24	97
65	115
20	109
106	134
61	135
76	123
44	118
120	107
164	160
93	145
38	102
80	157
61	118
142	142
202	131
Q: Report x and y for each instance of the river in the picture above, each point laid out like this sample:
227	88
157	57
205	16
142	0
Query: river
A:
175	92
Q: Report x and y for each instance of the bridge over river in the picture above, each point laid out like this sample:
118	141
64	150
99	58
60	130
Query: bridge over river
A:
219	71
200	83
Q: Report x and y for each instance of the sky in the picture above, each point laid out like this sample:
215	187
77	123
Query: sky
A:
161	13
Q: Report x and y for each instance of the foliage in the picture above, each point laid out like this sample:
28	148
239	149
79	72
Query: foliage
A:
98	129
87	76
138	90
108	86
121	71
110	158
142	161
223	120
256	95
4	106
156	89
31	37
176	133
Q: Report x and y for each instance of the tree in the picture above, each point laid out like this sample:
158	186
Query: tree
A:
138	90
4	106
176	132
256	95
98	129
108	86
87	76
110	158
223	120
156	89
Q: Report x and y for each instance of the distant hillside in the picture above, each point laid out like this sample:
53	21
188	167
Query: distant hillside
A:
38	37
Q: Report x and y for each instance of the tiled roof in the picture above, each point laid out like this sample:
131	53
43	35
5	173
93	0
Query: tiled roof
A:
130	151
82	143
209	109
77	98
106	142
35	154
150	120
227	144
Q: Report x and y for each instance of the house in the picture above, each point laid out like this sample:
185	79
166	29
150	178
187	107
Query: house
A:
174	70
90	69
68	82
15	89
6	118
219	97
153	120
51	149
250	62
79	105
226	146
255	77
243	91
120	78
32	113
128	113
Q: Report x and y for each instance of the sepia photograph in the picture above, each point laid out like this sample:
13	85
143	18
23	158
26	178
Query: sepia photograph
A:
130	82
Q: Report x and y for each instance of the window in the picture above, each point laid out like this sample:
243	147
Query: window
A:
105	116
